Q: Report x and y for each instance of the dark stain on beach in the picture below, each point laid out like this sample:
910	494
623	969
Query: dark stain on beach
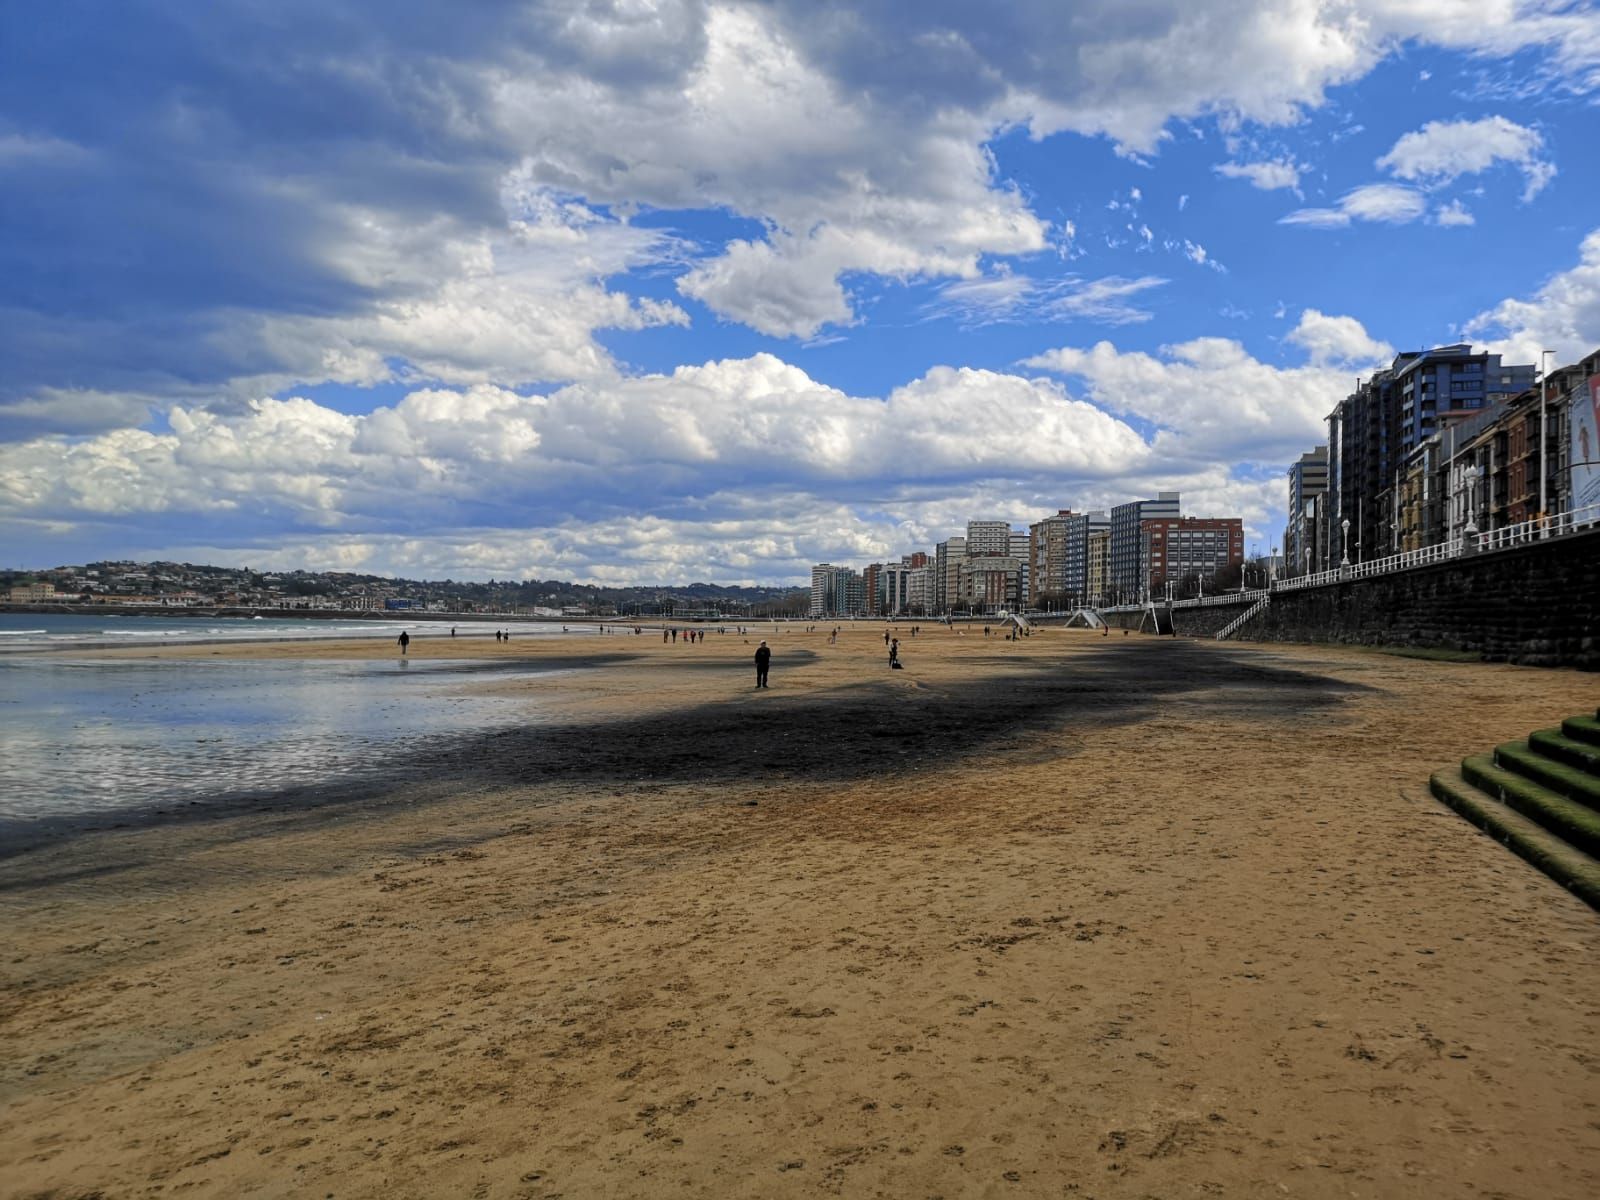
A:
1013	704
875	728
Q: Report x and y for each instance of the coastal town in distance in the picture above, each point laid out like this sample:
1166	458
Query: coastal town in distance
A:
1443	441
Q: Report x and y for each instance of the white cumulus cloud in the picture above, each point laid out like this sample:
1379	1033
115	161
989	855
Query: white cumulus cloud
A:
1268	176
1341	341
1443	151
753	427
1210	399
1562	316
1388	203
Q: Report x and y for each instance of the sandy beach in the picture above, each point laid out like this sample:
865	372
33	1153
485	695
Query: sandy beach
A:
1073	916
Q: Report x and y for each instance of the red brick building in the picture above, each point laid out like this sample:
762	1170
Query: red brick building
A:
1176	548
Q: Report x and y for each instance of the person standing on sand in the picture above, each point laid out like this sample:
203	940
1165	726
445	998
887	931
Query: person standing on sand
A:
763	659
405	641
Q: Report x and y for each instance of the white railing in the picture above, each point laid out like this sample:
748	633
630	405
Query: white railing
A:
1538	530
1237	623
1221	598
1556	525
1403	561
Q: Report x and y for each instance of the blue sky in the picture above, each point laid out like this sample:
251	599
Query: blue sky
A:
634	291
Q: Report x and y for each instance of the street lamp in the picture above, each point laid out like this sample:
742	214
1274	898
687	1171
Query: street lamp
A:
1544	387
1344	529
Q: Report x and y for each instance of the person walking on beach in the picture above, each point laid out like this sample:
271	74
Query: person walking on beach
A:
763	660
405	641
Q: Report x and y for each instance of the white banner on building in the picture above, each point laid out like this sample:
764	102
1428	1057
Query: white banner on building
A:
1584	449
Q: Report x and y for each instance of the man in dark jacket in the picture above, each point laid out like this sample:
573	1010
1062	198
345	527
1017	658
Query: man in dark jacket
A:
763	657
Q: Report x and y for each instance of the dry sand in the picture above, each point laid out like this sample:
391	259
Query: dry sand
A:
1076	916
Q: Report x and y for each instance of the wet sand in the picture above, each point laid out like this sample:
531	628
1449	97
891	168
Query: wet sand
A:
1075	916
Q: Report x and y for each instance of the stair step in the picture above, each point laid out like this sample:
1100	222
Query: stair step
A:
1570	867
1552	743
1582	729
1558	776
1577	823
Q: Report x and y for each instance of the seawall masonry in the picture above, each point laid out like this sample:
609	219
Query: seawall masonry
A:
1536	605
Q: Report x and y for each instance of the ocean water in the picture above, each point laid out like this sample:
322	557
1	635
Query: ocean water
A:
33	631
92	738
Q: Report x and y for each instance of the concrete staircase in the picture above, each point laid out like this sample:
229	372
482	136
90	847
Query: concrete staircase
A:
1541	798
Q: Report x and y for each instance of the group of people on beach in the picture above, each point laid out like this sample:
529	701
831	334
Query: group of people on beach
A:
404	640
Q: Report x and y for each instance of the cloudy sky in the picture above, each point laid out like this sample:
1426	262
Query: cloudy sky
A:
675	290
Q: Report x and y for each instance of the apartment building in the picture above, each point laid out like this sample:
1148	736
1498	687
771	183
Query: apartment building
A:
920	589
1047	559
1373	431
1187	548
989	583
947	559
988	538
836	592
894	596
1308	491
1127	576
1098	558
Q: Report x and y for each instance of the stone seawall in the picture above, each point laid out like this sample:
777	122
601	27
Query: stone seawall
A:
1538	605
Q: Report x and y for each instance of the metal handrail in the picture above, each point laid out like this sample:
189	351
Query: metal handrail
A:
1234	625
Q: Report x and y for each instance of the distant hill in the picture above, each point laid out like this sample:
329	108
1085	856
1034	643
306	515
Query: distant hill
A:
170	578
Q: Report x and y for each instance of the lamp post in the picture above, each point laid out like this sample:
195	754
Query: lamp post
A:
1344	530
1544	387
1469	531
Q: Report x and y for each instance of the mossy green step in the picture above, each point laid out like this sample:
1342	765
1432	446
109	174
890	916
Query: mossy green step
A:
1558	776
1552	743
1577	823
1582	729
1568	866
